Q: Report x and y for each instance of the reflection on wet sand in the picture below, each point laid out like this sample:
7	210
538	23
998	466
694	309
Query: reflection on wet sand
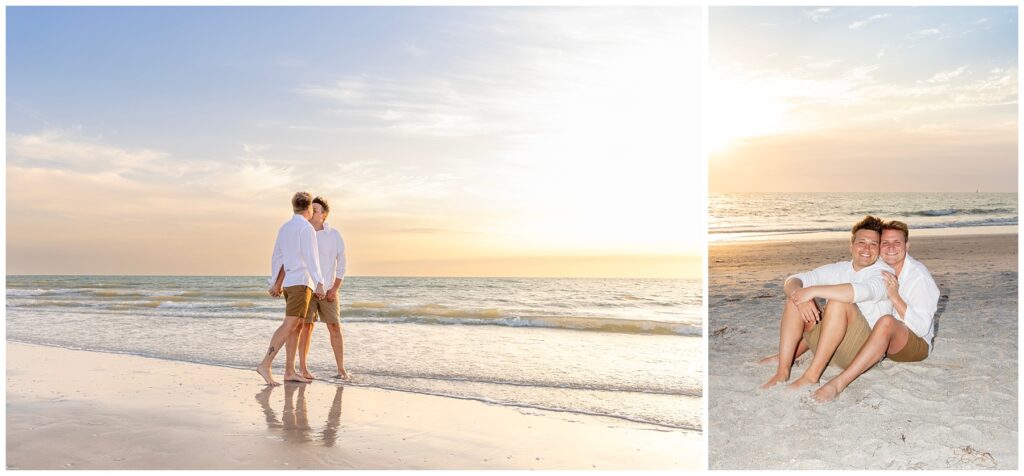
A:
294	422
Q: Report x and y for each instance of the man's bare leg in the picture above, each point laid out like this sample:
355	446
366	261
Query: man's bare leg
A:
291	347
305	337
834	322
887	337
276	341
801	349
791	329
338	345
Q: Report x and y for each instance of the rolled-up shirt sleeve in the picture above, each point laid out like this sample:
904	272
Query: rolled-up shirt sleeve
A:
922	300
818	276
870	289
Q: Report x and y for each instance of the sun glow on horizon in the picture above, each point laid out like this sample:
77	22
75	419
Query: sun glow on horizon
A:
451	135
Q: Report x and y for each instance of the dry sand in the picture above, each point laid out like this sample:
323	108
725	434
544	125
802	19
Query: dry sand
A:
70	409
955	410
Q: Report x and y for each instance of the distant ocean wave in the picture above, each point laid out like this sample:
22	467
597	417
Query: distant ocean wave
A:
425	315
846	227
627	326
776	214
959	211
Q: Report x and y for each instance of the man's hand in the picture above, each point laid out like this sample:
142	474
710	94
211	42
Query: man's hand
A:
332	294
892	284
809	312
802	295
274	291
319	291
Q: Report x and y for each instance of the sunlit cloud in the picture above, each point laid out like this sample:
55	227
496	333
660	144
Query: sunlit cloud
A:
924	33
860	23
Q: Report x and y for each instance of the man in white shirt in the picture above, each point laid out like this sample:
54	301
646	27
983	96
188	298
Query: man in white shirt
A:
857	298
331	246
294	271
905	335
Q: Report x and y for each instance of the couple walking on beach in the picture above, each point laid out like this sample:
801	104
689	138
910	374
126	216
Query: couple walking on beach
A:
876	308
306	253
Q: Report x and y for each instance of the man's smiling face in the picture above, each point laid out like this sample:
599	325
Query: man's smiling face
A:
893	247
864	248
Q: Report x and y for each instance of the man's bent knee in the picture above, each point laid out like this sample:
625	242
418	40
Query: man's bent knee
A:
836	308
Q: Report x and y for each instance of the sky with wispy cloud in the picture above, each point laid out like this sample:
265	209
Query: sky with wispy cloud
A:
450	141
913	99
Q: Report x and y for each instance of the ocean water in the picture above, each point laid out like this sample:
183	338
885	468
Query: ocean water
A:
620	348
765	215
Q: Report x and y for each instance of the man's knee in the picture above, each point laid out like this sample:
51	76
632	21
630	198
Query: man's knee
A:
334	329
836	308
886	324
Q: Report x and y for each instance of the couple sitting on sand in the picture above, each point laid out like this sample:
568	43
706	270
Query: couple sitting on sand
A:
306	245
876	308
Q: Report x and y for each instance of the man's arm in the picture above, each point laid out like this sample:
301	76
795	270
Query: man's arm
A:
832	292
918	310
275	289
276	262
808	310
339	275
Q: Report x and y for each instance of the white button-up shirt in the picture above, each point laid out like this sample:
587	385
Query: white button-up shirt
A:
332	253
919	291
296	250
869	291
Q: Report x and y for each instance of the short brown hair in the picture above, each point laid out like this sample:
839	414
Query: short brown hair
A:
868	223
301	201
323	204
897	225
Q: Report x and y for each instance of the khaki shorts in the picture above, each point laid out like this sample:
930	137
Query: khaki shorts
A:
323	311
857	333
916	349
296	299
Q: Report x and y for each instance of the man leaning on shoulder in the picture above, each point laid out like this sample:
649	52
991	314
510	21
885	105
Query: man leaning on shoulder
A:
906	335
856	296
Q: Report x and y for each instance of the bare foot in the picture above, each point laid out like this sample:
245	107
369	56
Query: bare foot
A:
306	374
800	382
775	380
343	375
771	359
294	377
265	373
827	393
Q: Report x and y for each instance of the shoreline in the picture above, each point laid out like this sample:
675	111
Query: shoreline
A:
121	411
957	409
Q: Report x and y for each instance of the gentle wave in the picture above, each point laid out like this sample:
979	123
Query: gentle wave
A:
959	211
449	317
625	326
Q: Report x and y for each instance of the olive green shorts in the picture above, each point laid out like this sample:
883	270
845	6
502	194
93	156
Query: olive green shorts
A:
916	349
857	332
296	299
323	311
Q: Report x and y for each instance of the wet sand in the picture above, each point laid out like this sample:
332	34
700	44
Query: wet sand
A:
955	410
70	409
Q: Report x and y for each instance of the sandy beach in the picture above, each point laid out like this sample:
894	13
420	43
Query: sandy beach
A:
955	410
69	409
